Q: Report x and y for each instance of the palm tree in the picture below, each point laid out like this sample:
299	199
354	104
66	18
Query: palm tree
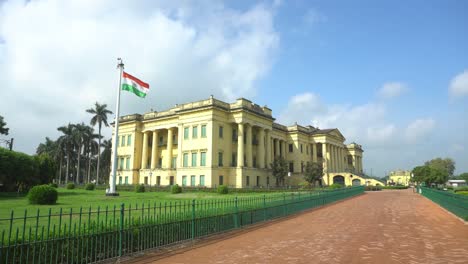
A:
79	137
106	155
100	113
49	147
66	142
90	147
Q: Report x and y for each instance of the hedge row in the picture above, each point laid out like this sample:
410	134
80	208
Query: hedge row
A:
19	171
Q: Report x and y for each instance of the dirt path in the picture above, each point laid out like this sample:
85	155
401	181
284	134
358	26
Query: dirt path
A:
378	227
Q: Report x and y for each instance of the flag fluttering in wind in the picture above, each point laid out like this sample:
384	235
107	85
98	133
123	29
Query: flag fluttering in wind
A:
134	85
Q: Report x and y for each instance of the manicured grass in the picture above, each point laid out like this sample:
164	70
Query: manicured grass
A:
79	198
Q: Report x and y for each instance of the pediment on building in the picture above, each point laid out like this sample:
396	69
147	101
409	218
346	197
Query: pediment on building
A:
336	133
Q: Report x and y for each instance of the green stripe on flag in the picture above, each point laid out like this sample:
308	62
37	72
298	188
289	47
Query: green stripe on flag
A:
128	87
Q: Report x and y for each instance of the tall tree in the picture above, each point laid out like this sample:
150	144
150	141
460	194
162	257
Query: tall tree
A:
99	113
463	176
446	164
106	156
3	128
66	141
313	173
279	168
79	136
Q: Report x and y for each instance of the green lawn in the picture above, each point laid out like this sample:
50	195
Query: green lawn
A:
161	203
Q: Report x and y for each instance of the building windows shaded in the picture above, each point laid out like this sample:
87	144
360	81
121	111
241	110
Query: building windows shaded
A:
291	147
203	131
291	166
194	159
220	132
202	180
185	161
195	132
247	180
220	159
221	180
186	132
203	159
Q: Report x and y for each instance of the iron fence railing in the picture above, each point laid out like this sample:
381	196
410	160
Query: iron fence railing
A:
89	235
455	203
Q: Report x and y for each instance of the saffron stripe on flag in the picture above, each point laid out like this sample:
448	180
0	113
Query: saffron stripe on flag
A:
133	78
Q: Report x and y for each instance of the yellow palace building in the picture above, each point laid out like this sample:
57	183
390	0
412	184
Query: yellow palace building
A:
399	177
211	143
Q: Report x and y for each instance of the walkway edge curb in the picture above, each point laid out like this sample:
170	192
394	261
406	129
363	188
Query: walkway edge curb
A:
454	215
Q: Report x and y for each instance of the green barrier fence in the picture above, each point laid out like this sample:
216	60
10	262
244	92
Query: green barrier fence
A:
455	203
89	236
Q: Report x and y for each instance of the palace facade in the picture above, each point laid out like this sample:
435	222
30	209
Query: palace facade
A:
212	143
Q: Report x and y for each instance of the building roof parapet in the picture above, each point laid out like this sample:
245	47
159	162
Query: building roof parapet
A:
280	127
354	145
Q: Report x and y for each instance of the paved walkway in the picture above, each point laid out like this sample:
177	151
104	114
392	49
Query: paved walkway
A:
391	226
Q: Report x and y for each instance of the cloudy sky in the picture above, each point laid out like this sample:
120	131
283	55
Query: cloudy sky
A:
392	75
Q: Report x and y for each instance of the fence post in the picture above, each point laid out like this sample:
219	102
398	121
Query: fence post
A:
284	203
236	215
122	210
193	219
264	207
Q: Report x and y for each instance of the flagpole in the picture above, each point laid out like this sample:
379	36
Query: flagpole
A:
112	190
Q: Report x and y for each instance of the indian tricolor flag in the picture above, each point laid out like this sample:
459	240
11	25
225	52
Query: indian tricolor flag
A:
134	85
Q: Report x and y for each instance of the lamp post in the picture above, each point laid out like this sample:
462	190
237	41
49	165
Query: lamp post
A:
150	174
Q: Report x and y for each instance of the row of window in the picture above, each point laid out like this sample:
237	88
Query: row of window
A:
194	159
194	132
124	140
123	162
201	181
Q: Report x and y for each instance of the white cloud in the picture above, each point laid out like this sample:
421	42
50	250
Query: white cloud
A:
419	129
392	89
58	57
363	123
459	85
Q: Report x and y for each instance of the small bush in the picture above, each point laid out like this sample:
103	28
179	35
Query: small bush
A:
462	193
176	189
42	194
373	188
139	188
90	186
223	189
53	185
461	189
335	186
395	187
70	186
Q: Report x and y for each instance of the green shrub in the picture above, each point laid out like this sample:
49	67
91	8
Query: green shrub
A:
395	187
139	188
373	188
42	194
176	189
462	193
223	189
54	185
70	186
461	189
90	187
335	186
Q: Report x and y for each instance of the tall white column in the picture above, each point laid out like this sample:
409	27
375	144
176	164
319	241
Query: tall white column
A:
144	155
169	148
268	148
326	157
240	145
261	149
314	152
248	146
154	150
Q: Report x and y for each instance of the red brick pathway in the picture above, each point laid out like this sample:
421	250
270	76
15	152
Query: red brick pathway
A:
378	227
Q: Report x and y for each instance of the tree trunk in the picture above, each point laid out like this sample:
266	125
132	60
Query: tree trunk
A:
67	170
77	178
60	171
98	156
89	164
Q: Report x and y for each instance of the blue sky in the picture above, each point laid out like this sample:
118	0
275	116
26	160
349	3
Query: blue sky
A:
391	75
